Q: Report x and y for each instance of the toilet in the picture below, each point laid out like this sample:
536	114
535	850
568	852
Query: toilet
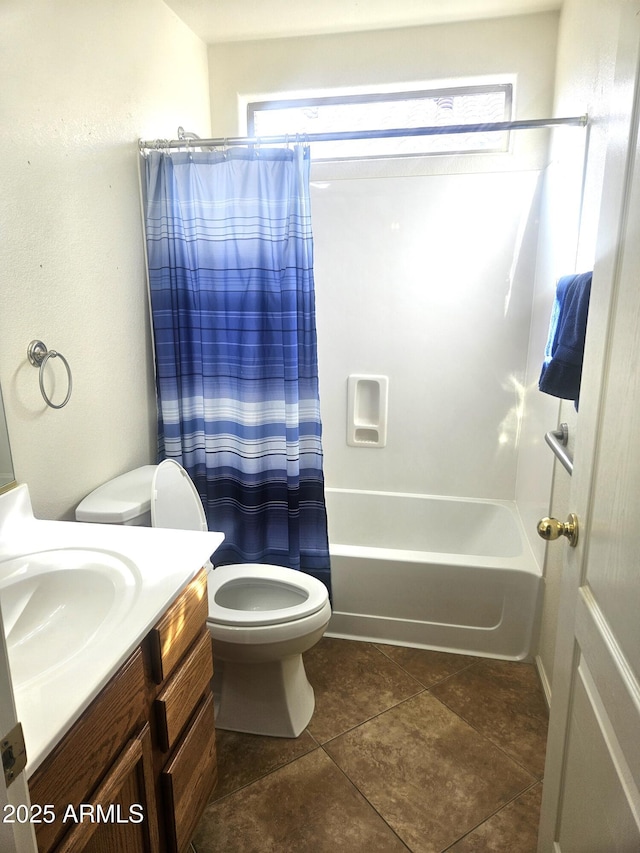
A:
261	619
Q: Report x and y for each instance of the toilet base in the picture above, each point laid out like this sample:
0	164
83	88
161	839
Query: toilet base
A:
268	698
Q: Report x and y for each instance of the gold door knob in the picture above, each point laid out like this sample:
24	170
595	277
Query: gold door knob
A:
551	528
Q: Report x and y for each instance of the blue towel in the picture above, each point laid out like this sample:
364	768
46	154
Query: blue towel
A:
562	368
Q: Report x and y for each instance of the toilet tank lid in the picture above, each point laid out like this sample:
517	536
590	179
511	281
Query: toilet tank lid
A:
119	500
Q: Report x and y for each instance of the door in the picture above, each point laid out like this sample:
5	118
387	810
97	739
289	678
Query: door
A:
591	798
16	832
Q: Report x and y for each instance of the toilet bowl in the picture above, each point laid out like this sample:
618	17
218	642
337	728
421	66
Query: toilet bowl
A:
262	618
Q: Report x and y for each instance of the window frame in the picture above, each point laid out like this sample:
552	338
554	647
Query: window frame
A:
267	104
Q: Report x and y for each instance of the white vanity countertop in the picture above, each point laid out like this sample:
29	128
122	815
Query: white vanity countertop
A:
158	563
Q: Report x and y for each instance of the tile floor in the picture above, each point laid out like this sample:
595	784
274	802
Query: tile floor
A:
407	750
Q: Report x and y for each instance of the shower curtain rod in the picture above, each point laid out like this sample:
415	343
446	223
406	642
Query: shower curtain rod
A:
192	140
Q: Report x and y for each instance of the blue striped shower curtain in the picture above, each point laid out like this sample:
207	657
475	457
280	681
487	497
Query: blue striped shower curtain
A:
230	255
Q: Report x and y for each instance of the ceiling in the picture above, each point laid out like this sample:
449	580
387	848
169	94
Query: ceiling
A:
242	20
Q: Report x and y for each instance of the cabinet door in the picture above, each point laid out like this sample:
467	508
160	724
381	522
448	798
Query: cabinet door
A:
77	764
121	816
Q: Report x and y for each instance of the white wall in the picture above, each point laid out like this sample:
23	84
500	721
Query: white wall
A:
81	83
424	268
427	280
524	45
588	40
556	256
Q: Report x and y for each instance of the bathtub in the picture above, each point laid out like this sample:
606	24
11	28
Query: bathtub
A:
450	574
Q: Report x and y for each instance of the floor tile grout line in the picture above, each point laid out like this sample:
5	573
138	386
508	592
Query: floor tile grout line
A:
415	677
396	664
364	796
493	814
335	764
322	744
318	745
534	780
488	738
423	688
373	717
265	775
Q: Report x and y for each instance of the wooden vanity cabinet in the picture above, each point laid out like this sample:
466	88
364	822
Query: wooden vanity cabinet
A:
136	771
179	669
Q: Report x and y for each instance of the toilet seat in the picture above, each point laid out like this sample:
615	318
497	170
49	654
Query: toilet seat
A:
175	501
246	595
284	596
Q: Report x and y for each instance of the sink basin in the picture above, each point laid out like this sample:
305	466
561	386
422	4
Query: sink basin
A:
54	602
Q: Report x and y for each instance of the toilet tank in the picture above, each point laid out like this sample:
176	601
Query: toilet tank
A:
124	500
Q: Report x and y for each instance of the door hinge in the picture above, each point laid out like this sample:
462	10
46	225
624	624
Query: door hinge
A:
14	754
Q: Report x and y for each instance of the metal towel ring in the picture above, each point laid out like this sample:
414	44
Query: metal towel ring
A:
39	355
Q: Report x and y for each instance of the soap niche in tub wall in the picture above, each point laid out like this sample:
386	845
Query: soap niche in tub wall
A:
367	410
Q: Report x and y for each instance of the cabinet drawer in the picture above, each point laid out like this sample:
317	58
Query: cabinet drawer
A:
190	776
76	765
179	627
178	699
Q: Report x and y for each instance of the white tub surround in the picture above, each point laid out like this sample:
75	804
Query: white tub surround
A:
139	571
443	573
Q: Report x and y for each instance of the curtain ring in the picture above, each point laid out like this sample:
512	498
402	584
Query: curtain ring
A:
39	355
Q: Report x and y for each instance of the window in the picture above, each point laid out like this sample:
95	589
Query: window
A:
434	107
